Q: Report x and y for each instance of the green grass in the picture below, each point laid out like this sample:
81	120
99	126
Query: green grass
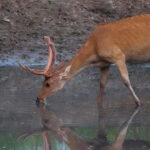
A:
8	142
86	132
135	133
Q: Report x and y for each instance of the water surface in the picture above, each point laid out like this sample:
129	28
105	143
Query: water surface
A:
75	105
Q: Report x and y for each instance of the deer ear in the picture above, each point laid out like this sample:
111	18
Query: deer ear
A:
66	71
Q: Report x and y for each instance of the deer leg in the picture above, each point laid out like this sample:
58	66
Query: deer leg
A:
121	65
118	143
47	140
103	80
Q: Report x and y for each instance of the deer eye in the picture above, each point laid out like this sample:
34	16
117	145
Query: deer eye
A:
47	85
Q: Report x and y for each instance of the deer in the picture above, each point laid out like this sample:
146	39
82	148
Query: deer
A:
119	42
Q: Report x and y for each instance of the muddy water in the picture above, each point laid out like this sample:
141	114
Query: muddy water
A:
76	105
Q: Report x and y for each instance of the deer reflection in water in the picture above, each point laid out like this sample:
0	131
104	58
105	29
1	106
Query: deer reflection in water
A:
52	123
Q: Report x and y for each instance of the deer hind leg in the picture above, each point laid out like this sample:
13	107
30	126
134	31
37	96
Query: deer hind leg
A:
103	80
121	65
118	143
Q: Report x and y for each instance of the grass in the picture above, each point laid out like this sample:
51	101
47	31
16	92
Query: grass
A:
8	142
135	133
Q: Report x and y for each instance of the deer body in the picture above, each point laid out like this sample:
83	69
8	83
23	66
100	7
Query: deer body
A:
130	37
127	40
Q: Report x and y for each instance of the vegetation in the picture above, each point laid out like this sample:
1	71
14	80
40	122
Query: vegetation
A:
8	142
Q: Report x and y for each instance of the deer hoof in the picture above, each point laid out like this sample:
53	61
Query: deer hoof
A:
37	102
138	103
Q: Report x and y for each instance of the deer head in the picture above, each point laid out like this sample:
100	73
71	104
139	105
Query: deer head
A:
54	79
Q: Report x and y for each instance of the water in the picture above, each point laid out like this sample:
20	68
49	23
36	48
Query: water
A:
73	113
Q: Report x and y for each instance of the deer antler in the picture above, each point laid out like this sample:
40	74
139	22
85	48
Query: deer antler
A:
50	61
45	134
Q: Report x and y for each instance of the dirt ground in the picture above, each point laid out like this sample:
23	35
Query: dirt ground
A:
24	23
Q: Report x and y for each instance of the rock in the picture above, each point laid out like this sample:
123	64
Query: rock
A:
107	4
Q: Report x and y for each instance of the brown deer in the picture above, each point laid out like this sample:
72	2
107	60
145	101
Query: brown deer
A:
127	40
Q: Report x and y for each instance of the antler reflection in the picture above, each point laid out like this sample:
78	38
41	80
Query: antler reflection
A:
52	123
43	132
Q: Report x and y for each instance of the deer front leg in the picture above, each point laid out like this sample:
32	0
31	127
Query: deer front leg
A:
103	79
121	65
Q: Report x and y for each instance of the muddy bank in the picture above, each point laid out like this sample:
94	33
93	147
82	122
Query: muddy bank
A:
23	24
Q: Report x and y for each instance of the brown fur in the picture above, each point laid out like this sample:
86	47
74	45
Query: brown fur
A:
130	36
112	43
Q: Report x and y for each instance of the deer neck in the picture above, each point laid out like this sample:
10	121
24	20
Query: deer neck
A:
80	61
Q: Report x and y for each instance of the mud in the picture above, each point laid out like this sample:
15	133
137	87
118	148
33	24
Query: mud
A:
23	24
